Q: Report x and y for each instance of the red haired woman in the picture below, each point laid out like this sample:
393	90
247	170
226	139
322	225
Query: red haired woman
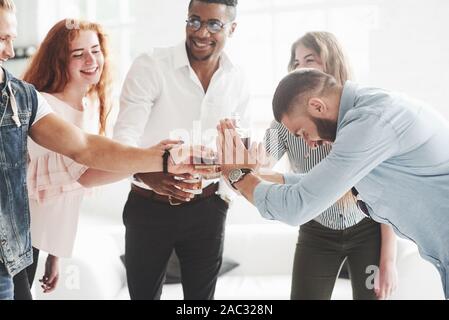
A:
72	70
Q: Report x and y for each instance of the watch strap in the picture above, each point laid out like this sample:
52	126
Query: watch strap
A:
165	158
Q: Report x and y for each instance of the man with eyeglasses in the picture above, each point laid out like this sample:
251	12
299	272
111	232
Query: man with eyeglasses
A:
393	149
180	92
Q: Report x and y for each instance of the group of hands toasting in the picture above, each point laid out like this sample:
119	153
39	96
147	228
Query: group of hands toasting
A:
187	163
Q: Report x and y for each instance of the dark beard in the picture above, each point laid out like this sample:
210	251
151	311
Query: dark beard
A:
327	129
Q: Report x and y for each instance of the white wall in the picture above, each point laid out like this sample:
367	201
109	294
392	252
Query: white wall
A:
407	48
158	23
27	22
410	51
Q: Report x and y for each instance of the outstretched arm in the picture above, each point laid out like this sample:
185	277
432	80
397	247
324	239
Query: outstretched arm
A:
98	152
352	158
93	151
93	177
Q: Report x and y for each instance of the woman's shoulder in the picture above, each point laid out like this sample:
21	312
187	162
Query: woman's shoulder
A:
60	107
52	99
54	102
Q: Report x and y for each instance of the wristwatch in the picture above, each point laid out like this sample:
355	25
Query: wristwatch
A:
236	175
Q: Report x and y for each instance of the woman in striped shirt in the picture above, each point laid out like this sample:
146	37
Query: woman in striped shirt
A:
342	232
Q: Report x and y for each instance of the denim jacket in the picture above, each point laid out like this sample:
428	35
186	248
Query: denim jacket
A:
16	117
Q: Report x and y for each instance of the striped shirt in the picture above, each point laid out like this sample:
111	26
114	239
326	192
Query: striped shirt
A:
278	141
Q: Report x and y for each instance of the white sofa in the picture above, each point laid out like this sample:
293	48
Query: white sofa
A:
264	252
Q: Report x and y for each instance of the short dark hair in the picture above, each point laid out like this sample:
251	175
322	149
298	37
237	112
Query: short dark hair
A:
299	86
231	4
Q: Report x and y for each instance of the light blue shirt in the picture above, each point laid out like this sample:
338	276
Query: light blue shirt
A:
395	151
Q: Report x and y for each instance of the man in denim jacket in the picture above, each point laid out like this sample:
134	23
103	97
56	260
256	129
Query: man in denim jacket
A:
23	113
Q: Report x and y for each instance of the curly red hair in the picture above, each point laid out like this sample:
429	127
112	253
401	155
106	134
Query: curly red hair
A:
48	68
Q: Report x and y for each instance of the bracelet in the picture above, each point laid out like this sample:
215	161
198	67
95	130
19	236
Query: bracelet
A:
165	157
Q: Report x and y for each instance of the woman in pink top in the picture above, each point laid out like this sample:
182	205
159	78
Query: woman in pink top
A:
72	70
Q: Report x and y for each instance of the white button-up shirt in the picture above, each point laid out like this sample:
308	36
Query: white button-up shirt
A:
163	98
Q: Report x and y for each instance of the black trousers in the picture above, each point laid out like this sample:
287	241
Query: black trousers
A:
23	281
320	253
153	230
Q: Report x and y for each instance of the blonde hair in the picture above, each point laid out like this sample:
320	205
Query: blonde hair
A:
327	47
7	5
335	63
47	70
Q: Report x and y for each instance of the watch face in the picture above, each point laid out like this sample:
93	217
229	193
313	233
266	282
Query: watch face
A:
235	174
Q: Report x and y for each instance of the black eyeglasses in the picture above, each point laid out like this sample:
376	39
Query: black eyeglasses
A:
360	204
213	26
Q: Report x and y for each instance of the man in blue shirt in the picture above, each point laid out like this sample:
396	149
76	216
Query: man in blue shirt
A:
393	150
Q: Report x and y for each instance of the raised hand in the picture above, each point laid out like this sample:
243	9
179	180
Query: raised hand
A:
185	158
231	150
258	152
